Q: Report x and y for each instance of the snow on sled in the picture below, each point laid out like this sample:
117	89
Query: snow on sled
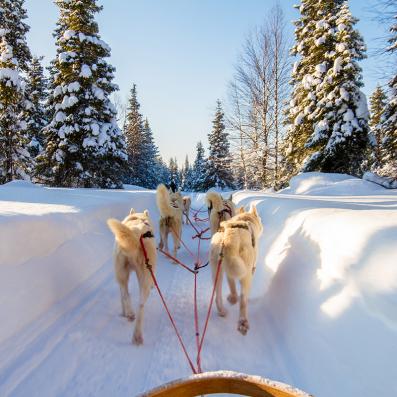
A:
224	382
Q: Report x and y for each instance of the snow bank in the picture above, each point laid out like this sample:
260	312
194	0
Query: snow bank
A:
328	283
51	240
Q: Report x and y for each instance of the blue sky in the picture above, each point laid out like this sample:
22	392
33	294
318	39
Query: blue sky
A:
181	55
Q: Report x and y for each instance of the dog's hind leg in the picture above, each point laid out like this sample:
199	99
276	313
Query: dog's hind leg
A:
122	275
218	292
243	325
144	290
233	296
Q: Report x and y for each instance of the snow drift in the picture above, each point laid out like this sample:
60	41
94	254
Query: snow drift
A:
322	308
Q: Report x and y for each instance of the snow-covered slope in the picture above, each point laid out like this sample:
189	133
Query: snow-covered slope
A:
322	308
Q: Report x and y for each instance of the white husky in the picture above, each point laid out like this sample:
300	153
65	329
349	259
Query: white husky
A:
219	210
237	241
187	202
171	211
128	257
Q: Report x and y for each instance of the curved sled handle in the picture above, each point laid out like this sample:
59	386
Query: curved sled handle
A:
224	382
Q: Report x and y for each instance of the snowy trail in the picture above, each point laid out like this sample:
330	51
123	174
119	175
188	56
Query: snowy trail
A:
323	298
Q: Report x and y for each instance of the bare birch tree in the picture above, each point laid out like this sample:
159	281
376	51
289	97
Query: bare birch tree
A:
257	94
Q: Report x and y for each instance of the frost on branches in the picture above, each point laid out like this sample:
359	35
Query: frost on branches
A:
84	146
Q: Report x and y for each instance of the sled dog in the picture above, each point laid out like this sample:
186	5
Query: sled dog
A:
187	202
171	211
128	256
219	210
237	241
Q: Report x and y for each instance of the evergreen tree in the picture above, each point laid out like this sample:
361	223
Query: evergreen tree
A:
389	118
340	136
150	155
15	161
14	29
219	172
35	113
14	158
186	176
199	170
163	173
174	175
84	146
134	135
314	36
378	103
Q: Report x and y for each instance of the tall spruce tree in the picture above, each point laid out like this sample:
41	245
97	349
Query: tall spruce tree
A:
14	29
35	114
314	37
389	118
186	176
174	174
199	170
84	146
340	136
378	104
219	172
135	138
15	160
150	155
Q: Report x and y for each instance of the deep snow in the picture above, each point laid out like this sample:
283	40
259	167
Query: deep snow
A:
322	309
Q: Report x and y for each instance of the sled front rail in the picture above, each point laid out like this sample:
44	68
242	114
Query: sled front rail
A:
224	382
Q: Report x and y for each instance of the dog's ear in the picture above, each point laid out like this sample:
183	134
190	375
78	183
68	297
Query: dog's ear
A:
146	212
132	211
241	210
253	210
230	197
121	232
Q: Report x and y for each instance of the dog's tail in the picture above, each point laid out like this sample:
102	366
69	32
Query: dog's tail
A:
215	201
233	264
163	202
124	236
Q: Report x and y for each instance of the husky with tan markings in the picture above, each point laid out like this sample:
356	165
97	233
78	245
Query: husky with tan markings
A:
129	257
236	244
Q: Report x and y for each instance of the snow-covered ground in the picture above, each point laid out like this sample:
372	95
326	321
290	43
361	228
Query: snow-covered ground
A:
322	310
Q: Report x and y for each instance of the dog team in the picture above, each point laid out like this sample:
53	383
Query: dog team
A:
234	234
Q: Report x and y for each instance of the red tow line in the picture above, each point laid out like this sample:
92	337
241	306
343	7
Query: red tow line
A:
195	271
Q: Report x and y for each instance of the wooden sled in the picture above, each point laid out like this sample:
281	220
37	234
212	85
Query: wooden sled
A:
224	382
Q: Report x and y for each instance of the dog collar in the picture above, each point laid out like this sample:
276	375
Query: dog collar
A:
148	234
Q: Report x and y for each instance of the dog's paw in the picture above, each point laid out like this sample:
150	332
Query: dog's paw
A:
222	312
137	339
243	326
130	316
232	299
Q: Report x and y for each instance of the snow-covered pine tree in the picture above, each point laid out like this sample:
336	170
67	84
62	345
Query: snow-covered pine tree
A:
219	172
15	160
150	155
14	29
378	104
174	174
199	170
84	145
15	57
314	38
389	118
35	113
134	136
187	176
340	138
